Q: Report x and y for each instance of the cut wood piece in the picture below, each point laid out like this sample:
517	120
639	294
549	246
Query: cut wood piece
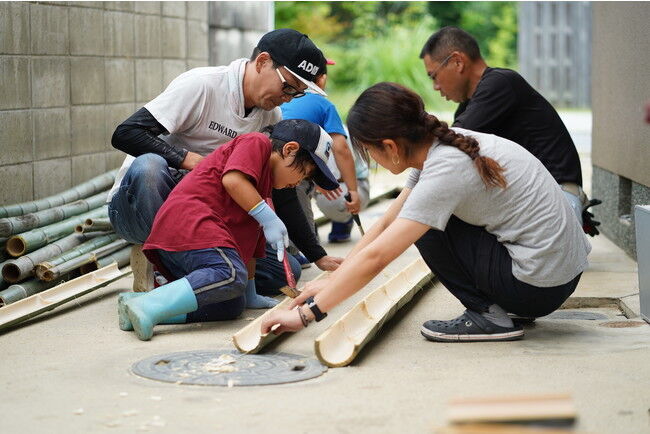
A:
527	408
250	339
47	300
342	341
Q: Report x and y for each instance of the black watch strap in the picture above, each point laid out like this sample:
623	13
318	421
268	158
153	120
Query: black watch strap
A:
311	304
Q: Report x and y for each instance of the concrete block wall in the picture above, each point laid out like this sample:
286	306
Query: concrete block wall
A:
236	27
70	72
616	214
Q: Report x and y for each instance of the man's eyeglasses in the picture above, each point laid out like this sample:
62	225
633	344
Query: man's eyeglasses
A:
288	89
433	74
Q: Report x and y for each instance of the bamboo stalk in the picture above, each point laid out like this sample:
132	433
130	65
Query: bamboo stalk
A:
92	225
3	249
21	268
88	246
121	257
15	225
29	241
66	267
88	188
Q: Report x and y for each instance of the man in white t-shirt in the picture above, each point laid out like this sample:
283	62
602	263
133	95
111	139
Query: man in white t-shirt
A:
200	110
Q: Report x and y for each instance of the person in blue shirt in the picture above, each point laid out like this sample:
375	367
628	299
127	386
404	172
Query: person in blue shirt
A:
350	169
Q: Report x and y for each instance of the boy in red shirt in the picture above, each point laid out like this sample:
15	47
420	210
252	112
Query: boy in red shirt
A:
207	234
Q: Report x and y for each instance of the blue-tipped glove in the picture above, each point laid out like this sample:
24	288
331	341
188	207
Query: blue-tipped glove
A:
275	231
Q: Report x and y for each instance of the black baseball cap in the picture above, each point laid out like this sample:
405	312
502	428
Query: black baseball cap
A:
314	139
297	53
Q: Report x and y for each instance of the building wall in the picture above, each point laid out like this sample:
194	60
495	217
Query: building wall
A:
236	27
70	72
621	138
554	49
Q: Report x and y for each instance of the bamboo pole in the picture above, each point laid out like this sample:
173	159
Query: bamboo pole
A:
29	241
15	225
85	247
88	188
21	268
122	257
66	267
93	225
3	249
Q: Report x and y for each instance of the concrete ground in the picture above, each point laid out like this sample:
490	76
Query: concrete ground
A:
69	370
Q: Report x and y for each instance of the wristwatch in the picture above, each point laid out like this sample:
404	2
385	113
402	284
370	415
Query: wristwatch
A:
311	304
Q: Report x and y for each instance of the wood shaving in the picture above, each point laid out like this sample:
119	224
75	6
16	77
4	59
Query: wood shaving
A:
79	411
123	394
129	413
155	398
227	358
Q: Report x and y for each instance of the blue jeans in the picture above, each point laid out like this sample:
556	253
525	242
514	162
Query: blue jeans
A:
217	276
142	192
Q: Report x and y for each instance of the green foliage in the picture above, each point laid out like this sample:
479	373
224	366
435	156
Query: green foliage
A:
381	41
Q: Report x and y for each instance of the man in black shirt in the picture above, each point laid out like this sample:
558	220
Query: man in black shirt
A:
499	101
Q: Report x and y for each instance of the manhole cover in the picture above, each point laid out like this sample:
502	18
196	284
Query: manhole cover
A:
228	368
576	315
622	324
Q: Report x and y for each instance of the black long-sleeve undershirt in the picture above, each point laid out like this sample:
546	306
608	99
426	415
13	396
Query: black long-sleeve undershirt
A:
138	135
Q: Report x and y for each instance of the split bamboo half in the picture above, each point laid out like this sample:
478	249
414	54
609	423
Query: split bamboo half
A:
250	339
49	299
344	340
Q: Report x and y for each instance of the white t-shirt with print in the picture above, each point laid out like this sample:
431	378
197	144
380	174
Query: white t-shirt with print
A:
202	109
531	217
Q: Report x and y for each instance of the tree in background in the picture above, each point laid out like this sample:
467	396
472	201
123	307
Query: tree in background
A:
381	41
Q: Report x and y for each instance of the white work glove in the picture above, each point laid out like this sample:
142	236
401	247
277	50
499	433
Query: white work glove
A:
275	231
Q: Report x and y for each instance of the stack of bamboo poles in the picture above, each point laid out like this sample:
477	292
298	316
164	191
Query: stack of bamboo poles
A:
46	242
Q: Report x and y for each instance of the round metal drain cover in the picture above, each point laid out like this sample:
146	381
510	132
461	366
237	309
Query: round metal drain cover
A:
228	368
576	315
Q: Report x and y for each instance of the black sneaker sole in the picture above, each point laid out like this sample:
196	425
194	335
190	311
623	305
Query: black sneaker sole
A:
492	337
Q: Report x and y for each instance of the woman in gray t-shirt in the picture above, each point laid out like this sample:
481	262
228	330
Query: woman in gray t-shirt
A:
487	217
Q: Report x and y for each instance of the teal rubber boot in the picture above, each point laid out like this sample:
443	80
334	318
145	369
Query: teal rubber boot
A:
123	318
153	307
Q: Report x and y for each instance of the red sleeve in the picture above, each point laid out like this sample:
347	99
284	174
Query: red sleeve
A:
250	155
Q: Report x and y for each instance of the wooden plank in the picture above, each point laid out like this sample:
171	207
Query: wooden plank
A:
250	339
47	300
342	342
526	408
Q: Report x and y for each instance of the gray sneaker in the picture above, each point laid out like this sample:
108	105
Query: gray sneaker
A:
469	327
